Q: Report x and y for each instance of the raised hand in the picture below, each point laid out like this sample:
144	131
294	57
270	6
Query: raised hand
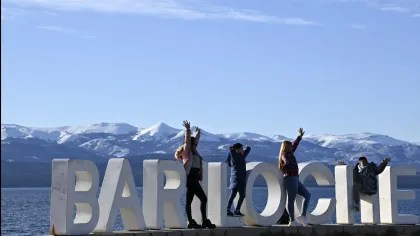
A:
341	163
301	132
388	159
186	124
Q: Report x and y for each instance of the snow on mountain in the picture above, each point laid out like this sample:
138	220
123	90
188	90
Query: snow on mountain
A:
65	133
158	132
204	136
374	146
14	131
104	147
107	128
348	140
67	137
123	140
279	138
246	136
159	152
223	147
17	131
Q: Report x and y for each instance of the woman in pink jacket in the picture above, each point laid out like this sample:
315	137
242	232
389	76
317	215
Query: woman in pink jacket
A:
193	164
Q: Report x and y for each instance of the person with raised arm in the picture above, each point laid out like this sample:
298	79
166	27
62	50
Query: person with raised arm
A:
289	166
236	160
365	180
193	164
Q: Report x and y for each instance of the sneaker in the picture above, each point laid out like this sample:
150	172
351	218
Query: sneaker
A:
193	225
207	224
238	213
302	220
356	207
229	213
294	223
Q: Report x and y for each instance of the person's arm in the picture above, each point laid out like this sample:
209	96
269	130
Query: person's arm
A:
187	140
297	141
341	163
356	173
247	151
382	166
284	159
197	135
228	159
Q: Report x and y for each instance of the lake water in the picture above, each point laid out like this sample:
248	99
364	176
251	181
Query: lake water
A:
25	211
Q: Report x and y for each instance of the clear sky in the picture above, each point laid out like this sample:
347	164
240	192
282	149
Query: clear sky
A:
330	66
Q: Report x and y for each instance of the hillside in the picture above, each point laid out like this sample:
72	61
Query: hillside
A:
30	150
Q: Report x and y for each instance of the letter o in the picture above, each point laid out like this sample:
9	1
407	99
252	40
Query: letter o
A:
276	198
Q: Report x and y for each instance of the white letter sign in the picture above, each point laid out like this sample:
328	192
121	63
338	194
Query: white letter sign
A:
389	195
218	197
325	207
74	184
119	193
343	194
276	195
162	202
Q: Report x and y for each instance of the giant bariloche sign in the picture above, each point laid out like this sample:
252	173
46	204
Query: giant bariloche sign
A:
75	208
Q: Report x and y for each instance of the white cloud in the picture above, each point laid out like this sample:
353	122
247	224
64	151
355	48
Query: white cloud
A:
62	30
394	8
57	29
178	9
416	15
50	13
358	26
8	12
392	5
88	36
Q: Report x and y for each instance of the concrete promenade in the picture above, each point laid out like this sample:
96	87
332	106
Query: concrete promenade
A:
316	230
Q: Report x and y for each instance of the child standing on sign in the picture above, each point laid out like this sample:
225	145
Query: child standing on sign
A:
236	160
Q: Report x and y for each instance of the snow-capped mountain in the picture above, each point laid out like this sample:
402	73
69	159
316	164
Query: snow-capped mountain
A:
205	136
106	128
377	146
158	132
246	136
105	140
362	139
65	133
279	138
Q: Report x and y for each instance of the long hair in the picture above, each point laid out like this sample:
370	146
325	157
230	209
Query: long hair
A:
178	152
180	149
286	147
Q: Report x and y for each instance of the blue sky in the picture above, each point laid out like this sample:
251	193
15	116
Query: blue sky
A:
330	66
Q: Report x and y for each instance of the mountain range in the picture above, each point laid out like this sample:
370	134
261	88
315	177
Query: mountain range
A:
28	146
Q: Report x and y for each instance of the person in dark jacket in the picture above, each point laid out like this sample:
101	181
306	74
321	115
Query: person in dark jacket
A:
289	166
362	167
236	160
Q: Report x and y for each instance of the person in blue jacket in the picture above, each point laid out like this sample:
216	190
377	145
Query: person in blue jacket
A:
236	160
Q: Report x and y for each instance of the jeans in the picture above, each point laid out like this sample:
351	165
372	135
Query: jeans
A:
293	187
235	190
356	193
194	188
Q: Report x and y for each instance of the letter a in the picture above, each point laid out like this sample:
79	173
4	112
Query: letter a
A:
119	192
